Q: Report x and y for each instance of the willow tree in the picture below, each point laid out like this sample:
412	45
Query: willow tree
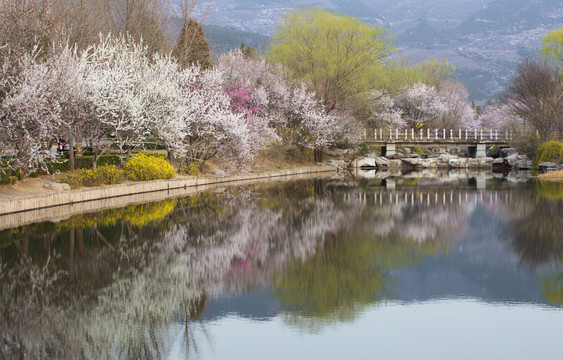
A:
552	47
338	55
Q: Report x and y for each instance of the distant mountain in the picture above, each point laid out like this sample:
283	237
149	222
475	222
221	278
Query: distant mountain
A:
224	39
484	39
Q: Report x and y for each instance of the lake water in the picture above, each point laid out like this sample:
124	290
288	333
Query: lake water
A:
333	268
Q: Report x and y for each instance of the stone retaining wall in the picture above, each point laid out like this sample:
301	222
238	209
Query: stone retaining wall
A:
61	205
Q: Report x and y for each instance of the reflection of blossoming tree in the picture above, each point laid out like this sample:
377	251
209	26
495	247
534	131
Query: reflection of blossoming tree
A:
351	270
320	253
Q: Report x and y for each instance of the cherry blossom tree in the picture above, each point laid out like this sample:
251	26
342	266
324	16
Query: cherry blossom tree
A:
459	113
277	108
498	117
191	113
28	118
421	104
115	85
385	112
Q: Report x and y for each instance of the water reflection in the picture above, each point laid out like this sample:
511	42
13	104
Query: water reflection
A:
115	283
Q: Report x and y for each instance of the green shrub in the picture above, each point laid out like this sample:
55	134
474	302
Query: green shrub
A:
83	162
416	150
363	149
7	176
152	143
109	160
493	152
59	165
142	167
155	154
551	151
346	144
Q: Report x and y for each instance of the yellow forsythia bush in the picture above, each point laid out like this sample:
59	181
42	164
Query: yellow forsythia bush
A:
111	174
141	167
80	177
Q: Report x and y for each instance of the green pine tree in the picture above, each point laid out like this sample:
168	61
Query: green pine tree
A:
191	47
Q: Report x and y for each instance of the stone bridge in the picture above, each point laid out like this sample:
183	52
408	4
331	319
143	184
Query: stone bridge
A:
476	141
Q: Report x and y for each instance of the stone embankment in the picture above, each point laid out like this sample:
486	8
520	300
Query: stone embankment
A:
39	207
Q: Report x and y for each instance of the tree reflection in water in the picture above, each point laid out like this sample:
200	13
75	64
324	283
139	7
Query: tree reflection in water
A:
114	284
352	268
536	236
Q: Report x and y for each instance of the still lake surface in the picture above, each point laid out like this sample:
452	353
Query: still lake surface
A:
327	268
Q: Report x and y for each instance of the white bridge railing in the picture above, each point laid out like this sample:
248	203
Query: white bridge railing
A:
431	197
429	135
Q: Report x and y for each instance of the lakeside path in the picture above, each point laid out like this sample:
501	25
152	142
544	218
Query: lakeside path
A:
41	205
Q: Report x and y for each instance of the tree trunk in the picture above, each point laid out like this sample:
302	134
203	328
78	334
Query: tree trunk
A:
95	160
70	150
319	154
79	145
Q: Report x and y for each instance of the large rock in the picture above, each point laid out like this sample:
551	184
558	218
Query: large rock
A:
548	166
482	163
418	164
457	163
366	162
56	186
381	162
394	164
505	152
412	163
445	158
519	162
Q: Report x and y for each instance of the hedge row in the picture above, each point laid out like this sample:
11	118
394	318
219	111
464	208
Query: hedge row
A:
83	162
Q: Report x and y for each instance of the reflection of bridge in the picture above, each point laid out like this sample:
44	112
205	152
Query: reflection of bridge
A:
427	197
475	140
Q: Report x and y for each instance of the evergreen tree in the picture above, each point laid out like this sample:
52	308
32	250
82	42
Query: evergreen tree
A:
191	47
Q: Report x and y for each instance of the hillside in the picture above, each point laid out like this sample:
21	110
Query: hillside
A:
225	39
484	39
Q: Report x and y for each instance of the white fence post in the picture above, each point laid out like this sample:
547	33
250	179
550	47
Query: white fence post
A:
444	134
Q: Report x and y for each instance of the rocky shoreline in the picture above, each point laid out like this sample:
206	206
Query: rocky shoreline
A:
505	160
